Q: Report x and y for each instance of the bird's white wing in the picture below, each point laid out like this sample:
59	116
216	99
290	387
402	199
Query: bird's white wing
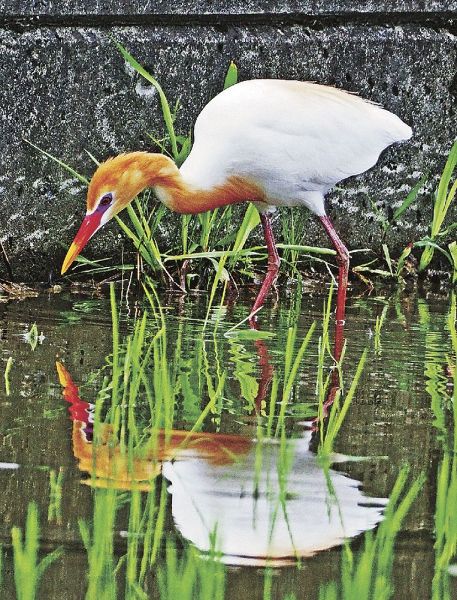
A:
276	131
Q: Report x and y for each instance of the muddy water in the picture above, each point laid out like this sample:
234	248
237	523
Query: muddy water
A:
392	421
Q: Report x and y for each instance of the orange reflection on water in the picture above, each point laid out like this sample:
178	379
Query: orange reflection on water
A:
110	465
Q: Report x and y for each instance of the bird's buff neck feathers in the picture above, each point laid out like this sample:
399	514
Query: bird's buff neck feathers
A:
129	174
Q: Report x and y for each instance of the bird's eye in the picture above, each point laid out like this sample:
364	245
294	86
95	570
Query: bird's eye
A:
106	199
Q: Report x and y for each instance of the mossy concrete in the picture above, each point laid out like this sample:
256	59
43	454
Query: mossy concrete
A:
66	89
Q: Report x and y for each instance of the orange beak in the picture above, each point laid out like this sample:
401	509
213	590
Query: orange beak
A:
89	226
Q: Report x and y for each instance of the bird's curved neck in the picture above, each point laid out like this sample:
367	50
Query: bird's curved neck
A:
183	197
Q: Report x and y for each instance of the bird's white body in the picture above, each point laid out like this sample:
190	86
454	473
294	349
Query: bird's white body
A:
294	140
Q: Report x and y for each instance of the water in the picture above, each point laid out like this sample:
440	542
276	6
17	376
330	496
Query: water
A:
398	416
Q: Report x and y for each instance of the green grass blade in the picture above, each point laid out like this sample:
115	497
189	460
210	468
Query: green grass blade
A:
231	77
72	171
441	197
163	99
410	198
139	245
453	253
385	249
250	220
442	203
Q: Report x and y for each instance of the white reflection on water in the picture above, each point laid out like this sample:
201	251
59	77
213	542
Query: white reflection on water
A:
272	504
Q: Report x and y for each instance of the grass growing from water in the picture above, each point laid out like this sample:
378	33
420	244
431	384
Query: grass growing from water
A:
144	391
446	494
377	329
337	413
369	575
99	545
28	570
186	576
139	367
55	495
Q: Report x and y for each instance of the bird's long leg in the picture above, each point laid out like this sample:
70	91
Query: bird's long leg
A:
273	263
342	257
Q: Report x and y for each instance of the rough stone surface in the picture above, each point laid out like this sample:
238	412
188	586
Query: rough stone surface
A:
211	7
67	89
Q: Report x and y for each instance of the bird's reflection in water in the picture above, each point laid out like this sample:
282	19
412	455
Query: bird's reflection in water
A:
274	514
269	500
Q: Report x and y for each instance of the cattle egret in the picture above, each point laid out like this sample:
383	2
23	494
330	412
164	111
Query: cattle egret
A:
271	142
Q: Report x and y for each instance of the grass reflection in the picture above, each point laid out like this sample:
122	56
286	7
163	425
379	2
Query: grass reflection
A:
196	438
281	485
444	406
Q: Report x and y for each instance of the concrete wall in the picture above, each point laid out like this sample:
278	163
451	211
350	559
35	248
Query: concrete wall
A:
66	88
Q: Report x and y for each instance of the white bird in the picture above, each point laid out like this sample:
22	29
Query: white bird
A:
271	142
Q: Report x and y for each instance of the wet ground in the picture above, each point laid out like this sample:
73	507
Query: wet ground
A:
398	416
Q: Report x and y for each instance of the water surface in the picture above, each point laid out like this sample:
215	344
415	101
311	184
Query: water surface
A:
395	418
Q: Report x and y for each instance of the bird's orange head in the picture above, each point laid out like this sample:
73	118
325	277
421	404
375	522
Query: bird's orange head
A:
114	185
